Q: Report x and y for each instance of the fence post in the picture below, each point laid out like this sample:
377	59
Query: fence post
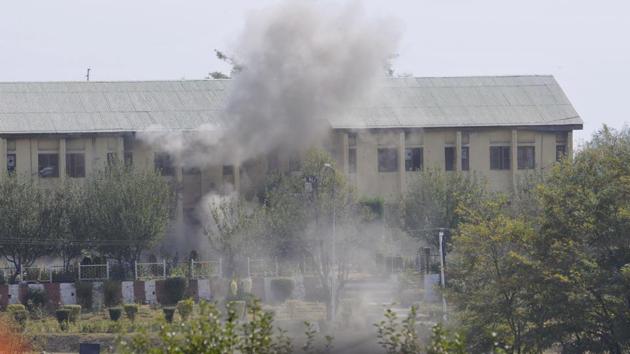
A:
164	269
107	269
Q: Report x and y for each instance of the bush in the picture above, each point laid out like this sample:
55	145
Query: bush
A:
18	312
84	294
35	299
281	288
75	312
112	291
168	313
185	308
174	290
115	313
131	310
63	317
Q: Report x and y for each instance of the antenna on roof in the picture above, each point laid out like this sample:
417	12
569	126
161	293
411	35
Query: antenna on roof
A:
87	76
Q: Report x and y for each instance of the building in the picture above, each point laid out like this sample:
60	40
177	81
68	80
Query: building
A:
497	127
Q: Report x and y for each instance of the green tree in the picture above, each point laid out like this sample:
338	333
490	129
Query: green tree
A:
435	198
129	210
26	221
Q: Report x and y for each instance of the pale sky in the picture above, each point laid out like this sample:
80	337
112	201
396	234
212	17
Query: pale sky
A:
585	44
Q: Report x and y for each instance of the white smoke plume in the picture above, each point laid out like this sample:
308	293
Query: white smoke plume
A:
303	63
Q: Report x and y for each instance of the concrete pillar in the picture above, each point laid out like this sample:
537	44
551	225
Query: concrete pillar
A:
514	158
401	163
458	151
344	154
570	144
3	157
62	158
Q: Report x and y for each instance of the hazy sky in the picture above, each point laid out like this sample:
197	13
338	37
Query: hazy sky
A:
585	44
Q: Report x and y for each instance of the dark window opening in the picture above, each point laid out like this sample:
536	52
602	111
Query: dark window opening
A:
526	157
48	165
465	158
413	159
75	165
11	163
352	139
164	164
500	157
449	158
352	160
112	159
128	158
387	160
561	152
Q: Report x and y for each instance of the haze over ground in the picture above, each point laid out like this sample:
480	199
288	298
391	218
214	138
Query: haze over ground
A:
582	43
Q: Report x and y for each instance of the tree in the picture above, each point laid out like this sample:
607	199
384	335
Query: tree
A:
128	212
26	221
434	199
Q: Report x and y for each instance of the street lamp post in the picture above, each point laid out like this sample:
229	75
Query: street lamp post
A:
333	241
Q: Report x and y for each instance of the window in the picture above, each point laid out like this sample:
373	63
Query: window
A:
449	158
75	165
164	164
465	158
48	165
11	163
500	157
526	157
128	158
561	152
352	139
112	158
228	174
387	160
413	159
352	160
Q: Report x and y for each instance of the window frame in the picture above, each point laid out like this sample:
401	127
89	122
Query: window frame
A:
504	158
352	159
70	165
466	164
164	164
48	156
563	154
14	168
409	162
450	158
523	154
387	159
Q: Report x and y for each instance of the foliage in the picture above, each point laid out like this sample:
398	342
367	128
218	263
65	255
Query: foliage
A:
208	331
435	199
372	208
169	312
130	206
12	338
75	312
35	299
174	290
18	312
115	313
281	288
397	337
131	310
442	343
63	317
112	293
185	308
84	294
26	221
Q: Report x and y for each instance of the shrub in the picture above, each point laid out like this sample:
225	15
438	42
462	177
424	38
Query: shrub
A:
35	298
281	288
112	291
115	313
18	312
168	313
84	294
131	310
174	290
75	312
185	308
63	317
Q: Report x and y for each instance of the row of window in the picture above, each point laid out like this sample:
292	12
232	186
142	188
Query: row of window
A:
48	163
500	158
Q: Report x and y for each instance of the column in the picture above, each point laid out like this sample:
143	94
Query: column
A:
120	149
570	144
62	158
458	151
514	157
3	157
401	163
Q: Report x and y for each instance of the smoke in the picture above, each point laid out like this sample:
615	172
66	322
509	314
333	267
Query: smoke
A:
303	63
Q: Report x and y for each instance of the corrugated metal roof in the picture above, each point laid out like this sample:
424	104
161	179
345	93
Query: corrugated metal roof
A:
72	107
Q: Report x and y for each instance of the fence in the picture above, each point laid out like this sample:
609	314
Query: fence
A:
93	272
206	269
150	271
